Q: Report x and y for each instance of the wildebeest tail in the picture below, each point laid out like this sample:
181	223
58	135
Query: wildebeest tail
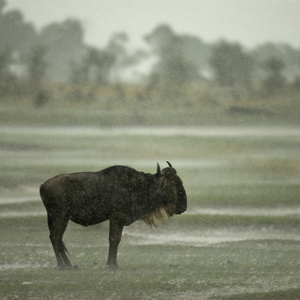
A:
45	195
42	191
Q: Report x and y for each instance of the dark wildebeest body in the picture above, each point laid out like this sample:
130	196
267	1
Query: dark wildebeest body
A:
119	194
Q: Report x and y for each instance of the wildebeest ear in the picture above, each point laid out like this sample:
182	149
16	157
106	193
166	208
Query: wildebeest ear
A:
158	169
165	183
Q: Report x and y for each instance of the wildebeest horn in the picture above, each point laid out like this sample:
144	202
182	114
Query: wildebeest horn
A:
158	169
172	169
169	165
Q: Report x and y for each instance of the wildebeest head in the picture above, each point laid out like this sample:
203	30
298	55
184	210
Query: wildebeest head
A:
170	194
174	185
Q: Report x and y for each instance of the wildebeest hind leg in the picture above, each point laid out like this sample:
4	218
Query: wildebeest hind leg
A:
57	226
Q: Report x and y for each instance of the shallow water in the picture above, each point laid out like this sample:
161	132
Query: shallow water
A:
232	211
15	214
16	266
207	237
197	131
17	200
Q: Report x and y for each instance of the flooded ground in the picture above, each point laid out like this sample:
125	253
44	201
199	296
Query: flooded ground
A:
134	235
204	237
246	211
195	210
196	131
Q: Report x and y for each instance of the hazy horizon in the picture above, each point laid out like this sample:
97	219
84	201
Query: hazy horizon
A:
248	22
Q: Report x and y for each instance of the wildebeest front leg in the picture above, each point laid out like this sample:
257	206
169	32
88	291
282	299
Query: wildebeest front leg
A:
115	234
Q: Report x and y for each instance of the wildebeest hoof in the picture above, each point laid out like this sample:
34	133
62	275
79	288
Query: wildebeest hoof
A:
72	267
67	268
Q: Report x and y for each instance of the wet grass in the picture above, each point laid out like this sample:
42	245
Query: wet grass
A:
165	271
209	105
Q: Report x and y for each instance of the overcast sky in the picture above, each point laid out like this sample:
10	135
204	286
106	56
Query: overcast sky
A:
250	22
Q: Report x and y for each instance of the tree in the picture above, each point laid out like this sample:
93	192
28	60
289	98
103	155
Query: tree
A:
94	68
16	40
287	54
36	73
5	62
231	65
174	70
275	80
163	41
64	44
99	64
117	49
15	33
2	4
37	65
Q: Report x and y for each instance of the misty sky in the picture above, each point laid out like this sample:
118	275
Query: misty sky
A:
250	22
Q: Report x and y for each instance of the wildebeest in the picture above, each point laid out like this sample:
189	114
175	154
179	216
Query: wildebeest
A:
119	194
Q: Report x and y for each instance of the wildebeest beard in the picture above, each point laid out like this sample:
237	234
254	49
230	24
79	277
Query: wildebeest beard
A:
159	214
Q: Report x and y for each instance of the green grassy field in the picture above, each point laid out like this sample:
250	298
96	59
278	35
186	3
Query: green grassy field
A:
239	238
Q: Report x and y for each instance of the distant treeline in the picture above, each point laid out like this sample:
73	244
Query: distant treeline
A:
169	60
